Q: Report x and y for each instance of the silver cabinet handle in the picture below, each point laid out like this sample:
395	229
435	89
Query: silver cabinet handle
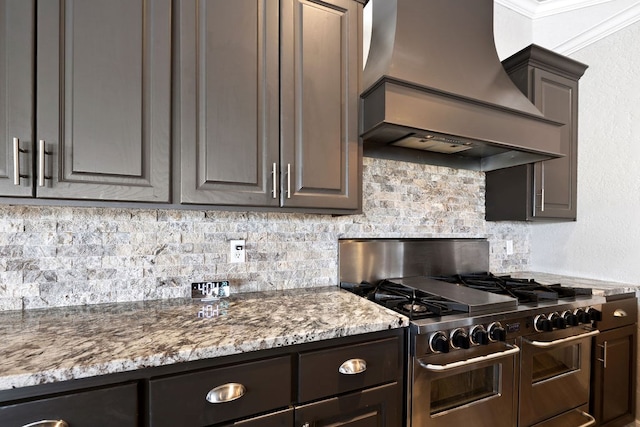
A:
48	423
41	153
542	185
16	161
353	367
547	344
226	393
511	349
274	183
288	180
619	313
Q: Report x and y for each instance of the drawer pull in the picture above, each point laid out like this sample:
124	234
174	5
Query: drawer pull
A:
47	423
619	313
353	366
226	393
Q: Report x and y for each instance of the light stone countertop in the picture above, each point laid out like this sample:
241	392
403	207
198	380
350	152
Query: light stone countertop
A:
599	287
57	344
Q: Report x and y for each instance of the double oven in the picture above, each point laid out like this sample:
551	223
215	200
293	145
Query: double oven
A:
484	350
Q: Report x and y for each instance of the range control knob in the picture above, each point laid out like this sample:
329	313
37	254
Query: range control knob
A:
459	338
570	318
557	321
594	314
583	316
542	324
497	332
479	335
439	343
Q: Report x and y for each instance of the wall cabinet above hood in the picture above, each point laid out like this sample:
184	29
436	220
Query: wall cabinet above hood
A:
436	91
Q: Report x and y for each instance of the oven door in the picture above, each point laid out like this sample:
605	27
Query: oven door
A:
554	374
478	384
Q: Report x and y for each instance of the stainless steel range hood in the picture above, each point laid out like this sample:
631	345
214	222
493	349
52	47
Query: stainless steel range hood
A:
437	93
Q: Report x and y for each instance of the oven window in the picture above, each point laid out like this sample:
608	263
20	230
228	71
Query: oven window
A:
555	362
460	389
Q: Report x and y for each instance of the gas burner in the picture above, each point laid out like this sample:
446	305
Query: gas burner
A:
409	307
527	291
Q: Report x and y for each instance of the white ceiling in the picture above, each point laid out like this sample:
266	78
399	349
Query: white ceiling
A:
566	26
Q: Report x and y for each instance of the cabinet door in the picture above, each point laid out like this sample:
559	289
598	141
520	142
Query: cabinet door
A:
114	406
555	181
16	95
378	407
321	64
228	105
613	397
103	77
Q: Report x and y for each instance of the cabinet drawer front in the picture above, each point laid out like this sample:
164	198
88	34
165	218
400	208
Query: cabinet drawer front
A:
182	399
319	375
113	406
619	313
378	406
274	419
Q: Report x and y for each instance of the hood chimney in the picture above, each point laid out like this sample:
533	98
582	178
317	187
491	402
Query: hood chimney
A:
436	91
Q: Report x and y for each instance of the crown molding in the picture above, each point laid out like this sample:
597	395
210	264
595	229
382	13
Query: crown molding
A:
599	31
535	9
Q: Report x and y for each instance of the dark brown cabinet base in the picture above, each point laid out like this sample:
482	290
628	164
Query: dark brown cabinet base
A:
613	399
185	394
373	407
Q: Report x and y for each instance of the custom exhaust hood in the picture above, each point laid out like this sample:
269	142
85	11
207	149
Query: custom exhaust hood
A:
436	91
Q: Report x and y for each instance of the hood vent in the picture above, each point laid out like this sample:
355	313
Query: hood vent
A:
437	92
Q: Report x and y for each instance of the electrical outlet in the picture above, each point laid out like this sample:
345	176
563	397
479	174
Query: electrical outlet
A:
237	251
509	247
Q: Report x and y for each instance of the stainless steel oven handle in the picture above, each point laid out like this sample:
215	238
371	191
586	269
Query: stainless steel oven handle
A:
512	349
547	344
591	422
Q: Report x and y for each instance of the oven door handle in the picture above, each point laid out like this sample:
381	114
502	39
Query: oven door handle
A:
512	349
547	344
591	422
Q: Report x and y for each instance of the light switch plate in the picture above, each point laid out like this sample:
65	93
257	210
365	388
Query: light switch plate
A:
237	251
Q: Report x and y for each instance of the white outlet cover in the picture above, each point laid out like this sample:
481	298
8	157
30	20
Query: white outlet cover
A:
237	251
509	247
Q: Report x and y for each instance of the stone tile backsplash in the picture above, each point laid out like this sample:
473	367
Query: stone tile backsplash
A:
57	256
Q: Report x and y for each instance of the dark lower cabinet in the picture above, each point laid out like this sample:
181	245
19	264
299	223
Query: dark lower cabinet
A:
373	407
613	398
115	406
221	394
275	419
268	388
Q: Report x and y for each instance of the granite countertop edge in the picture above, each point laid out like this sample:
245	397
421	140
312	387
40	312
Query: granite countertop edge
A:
51	345
599	287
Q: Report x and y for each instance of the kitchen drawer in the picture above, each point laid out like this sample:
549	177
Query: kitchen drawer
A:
318	370
275	419
181	400
113	406
618	313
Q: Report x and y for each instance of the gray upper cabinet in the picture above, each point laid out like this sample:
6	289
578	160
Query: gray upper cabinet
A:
228	107
544	190
267	103
16	97
320	75
103	79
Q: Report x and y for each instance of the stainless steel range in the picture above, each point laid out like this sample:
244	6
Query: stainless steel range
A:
484	350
